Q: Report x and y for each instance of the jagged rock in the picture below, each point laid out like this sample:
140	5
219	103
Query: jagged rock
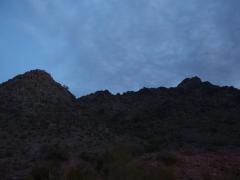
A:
193	82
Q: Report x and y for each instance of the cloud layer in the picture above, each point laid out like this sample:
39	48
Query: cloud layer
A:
125	45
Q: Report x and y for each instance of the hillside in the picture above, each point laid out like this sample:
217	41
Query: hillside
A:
39	116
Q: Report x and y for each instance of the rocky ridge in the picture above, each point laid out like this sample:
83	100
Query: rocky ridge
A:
36	111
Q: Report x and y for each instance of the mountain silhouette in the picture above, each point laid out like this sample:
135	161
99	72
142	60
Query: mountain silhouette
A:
36	111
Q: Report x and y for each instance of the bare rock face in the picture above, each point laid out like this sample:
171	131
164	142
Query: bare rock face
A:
193	82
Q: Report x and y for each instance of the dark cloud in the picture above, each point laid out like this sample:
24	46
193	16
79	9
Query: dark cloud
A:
125	45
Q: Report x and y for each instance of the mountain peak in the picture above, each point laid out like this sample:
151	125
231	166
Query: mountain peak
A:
35	74
190	82
35	84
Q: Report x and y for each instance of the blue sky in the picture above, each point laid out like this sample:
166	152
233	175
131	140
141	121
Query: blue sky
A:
121	45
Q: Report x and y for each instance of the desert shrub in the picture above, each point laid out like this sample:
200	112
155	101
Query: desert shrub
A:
140	171
88	157
55	152
155	144
54	171
80	173
119	153
167	158
127	172
229	174
116	156
46	171
65	87
119	162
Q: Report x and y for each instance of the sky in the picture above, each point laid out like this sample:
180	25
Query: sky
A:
121	45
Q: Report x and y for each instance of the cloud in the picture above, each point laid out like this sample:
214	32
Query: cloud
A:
125	45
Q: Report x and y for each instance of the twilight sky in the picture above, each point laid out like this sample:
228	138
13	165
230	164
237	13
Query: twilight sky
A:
121	45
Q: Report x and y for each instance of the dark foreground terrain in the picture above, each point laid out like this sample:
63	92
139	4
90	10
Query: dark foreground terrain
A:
191	131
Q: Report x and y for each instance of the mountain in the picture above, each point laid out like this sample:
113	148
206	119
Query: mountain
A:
35	101
195	113
36	112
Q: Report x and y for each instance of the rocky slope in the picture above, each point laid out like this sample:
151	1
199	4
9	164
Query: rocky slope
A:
37	112
195	113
